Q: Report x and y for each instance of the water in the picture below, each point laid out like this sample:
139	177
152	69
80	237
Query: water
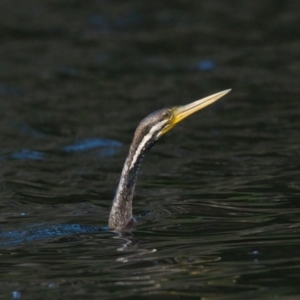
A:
217	200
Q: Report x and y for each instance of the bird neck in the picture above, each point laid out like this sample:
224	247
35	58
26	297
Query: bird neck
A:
121	211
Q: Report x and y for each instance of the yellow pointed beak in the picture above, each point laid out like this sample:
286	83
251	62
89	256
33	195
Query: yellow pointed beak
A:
181	112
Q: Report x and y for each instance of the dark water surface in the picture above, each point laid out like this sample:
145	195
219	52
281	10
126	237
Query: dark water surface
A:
218	198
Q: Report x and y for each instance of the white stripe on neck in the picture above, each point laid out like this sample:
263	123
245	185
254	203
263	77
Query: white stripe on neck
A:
144	141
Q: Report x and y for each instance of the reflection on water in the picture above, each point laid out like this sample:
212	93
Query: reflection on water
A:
106	148
217	200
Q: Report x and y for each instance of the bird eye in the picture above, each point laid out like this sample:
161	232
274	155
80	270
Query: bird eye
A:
167	114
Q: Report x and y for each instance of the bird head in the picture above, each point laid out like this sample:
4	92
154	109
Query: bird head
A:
160	122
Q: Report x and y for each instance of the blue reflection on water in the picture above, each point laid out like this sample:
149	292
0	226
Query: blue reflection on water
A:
28	154
107	148
39	232
204	65
89	144
16	294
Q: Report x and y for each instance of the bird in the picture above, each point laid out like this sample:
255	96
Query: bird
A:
149	130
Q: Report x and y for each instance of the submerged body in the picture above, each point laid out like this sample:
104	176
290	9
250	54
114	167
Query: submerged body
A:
147	133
